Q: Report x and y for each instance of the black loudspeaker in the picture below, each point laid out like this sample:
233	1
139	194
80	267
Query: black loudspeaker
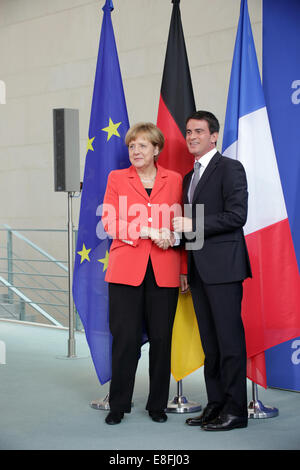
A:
66	150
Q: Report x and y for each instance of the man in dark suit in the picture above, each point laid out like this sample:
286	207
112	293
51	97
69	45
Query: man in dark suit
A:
216	272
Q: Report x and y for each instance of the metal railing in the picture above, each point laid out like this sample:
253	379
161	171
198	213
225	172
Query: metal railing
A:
34	283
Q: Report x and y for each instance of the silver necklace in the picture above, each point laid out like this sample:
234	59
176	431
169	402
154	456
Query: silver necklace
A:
148	180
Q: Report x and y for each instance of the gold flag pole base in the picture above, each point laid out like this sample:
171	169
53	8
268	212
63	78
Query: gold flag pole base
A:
180	404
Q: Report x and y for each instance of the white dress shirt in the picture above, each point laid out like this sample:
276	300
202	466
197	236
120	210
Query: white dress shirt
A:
204	160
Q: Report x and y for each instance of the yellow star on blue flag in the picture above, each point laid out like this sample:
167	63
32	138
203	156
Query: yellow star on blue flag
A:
111	129
84	253
90	144
104	261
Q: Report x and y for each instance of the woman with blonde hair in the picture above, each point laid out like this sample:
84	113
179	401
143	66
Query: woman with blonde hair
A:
143	270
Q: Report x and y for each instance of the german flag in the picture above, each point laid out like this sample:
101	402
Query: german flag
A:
175	105
176	99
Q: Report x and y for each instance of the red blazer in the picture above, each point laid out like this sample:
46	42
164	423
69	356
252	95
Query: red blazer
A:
126	208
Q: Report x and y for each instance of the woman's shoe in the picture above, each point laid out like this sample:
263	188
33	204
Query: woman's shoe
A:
158	416
114	417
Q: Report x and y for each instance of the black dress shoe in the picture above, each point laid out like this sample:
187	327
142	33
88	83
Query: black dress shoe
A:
114	417
209	413
158	416
226	422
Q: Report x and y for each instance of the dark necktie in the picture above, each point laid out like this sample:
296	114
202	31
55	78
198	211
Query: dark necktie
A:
196	179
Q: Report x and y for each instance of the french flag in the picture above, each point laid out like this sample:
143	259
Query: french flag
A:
271	302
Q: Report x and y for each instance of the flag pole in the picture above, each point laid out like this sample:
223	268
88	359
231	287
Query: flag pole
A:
71	327
71	340
101	404
256	410
180	404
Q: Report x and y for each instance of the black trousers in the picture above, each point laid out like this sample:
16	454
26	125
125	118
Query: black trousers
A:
218	311
131	310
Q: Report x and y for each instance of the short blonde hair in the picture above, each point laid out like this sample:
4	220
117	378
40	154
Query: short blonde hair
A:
150	131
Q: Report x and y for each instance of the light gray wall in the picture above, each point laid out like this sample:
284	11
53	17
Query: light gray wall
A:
48	52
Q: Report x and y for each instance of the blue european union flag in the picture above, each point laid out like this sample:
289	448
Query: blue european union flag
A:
106	151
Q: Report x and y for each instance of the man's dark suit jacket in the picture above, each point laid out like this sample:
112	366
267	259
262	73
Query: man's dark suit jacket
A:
223	191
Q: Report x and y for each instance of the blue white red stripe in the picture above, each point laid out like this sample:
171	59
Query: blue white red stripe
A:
271	298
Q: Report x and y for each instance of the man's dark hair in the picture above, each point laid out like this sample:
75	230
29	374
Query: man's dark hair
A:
210	118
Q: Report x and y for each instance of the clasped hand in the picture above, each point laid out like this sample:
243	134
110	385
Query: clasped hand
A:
163	237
